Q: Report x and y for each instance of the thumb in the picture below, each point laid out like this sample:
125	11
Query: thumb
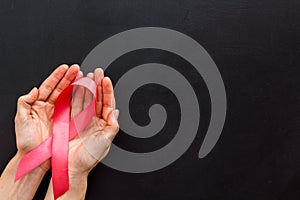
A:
25	101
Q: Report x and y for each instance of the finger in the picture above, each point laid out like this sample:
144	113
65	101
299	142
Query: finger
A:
50	83
77	98
79	75
112	128
25	102
69	76
99	74
108	98
88	95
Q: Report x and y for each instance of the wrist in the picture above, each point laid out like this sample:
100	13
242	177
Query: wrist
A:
19	155
25	187
41	169
79	177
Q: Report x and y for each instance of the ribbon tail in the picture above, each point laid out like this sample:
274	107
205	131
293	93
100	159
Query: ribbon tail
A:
60	143
34	158
60	149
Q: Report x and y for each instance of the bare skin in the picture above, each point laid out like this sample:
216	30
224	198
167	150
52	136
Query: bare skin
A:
33	123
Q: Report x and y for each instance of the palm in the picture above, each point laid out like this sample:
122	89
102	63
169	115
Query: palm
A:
85	152
37	128
92	144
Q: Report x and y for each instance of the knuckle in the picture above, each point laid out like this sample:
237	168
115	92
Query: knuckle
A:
59	90
57	76
48	87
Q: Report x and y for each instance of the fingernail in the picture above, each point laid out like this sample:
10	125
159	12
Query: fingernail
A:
90	74
75	66
99	69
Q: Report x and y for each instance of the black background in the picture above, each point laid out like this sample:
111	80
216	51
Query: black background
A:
256	46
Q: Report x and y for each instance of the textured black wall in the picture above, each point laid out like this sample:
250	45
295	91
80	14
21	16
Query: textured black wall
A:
256	46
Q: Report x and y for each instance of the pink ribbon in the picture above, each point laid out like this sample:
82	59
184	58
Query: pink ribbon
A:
56	146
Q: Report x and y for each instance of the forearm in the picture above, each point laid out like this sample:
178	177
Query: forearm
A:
78	186
25	188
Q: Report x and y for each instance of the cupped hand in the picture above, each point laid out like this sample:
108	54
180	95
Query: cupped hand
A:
33	120
92	144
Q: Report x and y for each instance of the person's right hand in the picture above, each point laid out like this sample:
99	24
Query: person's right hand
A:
33	121
93	143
